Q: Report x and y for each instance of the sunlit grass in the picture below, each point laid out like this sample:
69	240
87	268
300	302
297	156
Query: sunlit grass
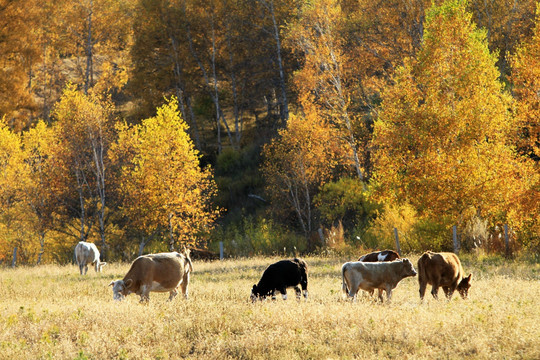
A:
53	312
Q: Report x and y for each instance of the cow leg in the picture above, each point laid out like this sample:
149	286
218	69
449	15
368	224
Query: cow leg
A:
449	291
145	294
85	269
388	293
352	293
283	293
435	290
380	294
423	286
273	293
303	283
298	292
184	285
81	267
172	294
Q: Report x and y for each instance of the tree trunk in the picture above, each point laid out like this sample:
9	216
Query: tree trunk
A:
284	110
171	233
215	93
142	244
14	260
89	74
183	99
238	134
41	247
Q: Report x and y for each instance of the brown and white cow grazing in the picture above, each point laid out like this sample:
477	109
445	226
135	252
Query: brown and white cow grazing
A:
385	255
442	269
163	272
369	276
87	253
280	276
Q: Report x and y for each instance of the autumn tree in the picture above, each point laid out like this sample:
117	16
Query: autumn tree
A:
12	179
18	54
83	128
37	142
442	138
92	28
163	186
526	80
325	80
506	22
297	162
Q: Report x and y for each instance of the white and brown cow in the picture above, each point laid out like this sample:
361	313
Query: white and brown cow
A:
369	276
87	253
385	255
442	269
163	272
280	276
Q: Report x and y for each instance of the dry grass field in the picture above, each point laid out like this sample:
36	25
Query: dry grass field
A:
51	312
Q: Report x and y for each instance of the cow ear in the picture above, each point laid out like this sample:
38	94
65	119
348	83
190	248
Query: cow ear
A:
112	283
128	283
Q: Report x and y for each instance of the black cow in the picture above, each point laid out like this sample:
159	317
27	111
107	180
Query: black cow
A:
280	276
385	255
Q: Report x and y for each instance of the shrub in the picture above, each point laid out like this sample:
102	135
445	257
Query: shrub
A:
257	236
346	201
415	234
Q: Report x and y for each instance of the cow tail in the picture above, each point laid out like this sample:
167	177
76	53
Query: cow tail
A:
303	265
344	283
303	269
189	263
422	267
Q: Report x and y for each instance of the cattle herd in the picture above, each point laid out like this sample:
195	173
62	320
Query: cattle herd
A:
381	270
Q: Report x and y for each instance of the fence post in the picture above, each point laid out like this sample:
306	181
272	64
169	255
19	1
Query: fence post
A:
14	261
454	236
397	241
506	240
221	250
321	236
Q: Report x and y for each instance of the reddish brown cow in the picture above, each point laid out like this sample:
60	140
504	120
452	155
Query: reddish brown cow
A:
385	255
442	269
163	272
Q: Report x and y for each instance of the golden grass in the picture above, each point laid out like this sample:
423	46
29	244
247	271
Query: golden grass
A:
53	312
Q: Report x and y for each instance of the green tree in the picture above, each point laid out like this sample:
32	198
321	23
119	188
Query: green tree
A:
442	137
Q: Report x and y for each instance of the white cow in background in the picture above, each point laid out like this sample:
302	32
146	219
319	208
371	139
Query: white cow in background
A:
87	253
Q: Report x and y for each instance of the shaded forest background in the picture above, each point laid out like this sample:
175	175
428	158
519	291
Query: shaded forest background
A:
273	126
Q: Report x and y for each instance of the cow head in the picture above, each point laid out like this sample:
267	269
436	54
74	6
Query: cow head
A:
98	265
408	268
464	286
254	293
120	288
259	292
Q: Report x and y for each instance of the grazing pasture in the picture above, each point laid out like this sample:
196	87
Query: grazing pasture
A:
53	312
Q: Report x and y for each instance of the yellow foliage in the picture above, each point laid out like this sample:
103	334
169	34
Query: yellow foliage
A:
162	183
442	136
